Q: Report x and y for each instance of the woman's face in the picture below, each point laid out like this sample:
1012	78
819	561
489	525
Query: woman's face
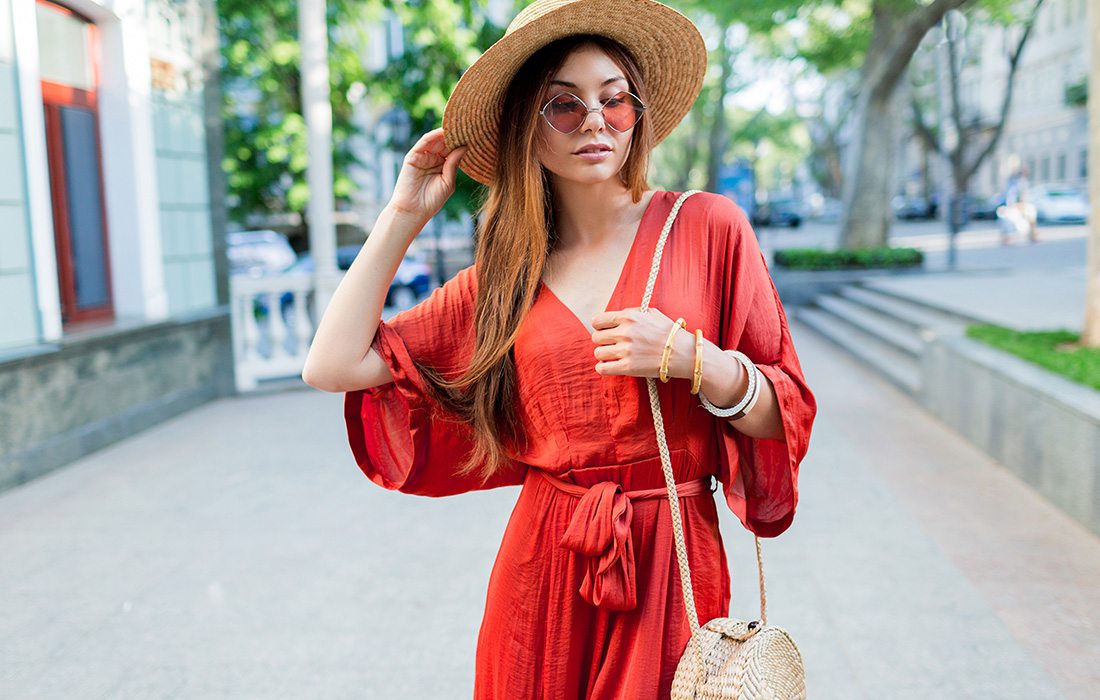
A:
584	74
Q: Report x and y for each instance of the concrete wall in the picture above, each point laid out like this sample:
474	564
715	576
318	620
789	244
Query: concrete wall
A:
66	400
65	392
1044	428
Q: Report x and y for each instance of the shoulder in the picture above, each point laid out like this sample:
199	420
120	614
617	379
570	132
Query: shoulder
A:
723	220
715	209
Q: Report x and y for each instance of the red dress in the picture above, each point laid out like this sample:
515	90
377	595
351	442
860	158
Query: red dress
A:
584	598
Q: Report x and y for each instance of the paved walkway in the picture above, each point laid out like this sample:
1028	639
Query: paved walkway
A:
1024	299
237	552
1021	285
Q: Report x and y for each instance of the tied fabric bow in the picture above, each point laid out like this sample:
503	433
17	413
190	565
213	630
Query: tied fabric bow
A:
600	530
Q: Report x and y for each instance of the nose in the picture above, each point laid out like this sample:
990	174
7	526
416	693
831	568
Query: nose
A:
599	115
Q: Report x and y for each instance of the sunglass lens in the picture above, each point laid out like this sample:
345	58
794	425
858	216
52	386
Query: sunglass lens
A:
622	111
565	113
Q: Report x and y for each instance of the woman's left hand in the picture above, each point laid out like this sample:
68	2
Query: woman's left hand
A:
630	342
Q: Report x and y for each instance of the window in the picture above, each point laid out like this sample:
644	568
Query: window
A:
1083	168
1060	171
1044	169
70	98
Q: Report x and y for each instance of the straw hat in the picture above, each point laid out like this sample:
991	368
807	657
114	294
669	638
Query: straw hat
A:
671	54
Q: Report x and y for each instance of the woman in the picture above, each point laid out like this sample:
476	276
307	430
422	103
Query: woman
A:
527	368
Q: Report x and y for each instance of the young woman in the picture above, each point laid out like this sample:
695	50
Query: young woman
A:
527	368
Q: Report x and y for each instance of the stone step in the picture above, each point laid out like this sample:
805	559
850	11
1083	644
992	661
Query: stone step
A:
913	314
946	315
871	320
895	365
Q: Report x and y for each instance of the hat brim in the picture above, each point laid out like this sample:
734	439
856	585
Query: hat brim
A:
668	47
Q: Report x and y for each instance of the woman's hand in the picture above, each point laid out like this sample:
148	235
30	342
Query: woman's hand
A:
630	342
427	177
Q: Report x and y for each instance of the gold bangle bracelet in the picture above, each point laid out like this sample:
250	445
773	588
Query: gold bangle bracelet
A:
697	375
662	371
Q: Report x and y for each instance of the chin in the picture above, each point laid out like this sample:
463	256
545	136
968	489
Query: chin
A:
589	174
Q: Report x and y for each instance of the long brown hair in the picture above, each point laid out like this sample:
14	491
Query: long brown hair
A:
514	238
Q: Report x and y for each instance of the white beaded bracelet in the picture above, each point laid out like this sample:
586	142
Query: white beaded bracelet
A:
751	393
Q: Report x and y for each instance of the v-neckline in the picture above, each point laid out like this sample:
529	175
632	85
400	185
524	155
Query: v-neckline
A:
634	244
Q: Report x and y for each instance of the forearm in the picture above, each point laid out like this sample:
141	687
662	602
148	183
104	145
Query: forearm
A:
351	318
725	382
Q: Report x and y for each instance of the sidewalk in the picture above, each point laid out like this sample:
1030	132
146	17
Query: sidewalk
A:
1021	286
237	552
1030	299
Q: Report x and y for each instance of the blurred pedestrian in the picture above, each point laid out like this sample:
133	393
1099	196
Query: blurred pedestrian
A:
1019	214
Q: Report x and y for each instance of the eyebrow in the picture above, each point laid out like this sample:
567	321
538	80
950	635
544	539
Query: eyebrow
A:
573	85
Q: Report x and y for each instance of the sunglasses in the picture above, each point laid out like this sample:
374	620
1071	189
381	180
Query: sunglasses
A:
566	112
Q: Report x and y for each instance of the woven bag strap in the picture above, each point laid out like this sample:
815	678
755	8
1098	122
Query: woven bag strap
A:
666	463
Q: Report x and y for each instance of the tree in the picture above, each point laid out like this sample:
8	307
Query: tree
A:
443	39
705	137
264	130
1090	334
879	37
265	139
967	152
714	133
832	111
897	29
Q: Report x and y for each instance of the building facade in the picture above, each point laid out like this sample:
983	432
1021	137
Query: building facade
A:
111	217
1046	129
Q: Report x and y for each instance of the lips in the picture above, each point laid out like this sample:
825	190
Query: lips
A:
594	148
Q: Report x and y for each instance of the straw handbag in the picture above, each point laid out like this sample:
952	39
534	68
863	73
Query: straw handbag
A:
726	658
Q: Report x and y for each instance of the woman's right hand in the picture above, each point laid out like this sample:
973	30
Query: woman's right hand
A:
427	177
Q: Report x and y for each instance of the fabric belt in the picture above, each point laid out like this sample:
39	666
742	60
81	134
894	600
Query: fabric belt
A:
600	530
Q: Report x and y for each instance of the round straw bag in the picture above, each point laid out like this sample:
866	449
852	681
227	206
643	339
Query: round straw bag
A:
726	658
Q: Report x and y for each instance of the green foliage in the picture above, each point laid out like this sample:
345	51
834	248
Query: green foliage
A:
836	37
1054	350
443	38
265	140
847	258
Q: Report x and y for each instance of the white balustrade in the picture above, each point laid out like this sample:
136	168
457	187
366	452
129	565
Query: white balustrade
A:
274	346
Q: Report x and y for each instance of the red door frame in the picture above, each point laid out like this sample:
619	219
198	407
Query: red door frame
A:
54	97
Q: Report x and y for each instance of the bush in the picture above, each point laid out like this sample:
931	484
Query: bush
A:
847	258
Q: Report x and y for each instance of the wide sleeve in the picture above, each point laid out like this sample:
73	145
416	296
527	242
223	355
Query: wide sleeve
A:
401	438
759	475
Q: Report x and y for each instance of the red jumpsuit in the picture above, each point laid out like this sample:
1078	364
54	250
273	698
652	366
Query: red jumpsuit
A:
584	598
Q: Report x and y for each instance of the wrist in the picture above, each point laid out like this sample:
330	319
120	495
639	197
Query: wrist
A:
400	222
679	362
726	382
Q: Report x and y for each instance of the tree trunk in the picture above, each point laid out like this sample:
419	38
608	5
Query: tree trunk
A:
1090	334
895	34
869	170
865	221
718	140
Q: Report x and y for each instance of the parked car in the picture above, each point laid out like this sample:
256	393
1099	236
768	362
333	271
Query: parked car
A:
911	207
1060	205
985	209
412	281
258	253
783	211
